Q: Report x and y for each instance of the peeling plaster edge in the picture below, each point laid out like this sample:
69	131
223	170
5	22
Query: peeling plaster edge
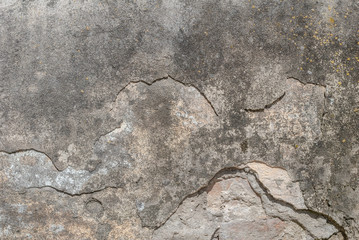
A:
168	77
249	171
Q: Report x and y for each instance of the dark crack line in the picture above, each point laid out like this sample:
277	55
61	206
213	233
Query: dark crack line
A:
200	190
71	194
195	87
266	106
309	212
307	83
234	170
32	149
166	78
333	235
269	196
214	234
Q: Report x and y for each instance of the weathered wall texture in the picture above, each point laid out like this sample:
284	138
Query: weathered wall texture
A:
179	119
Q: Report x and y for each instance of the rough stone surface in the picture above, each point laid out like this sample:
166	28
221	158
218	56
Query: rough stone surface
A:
236	206
180	119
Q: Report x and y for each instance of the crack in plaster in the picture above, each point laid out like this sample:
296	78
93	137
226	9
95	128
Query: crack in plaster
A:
307	83
167	78
267	106
267	199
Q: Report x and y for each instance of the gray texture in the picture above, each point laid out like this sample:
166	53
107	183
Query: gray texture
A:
119	117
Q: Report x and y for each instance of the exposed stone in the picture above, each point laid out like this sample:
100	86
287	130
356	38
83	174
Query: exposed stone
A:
278	183
235	206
